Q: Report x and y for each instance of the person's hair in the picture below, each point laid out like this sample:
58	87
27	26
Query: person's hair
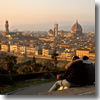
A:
75	57
85	57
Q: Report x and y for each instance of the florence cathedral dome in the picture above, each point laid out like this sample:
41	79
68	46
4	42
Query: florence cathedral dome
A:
76	28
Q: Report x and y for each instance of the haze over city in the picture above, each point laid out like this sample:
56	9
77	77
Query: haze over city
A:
42	14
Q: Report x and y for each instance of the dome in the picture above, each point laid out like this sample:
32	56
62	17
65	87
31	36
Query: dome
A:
50	32
76	28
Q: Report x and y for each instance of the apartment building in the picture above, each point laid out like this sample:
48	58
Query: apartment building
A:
47	52
5	48
82	52
30	50
22	49
13	48
67	55
92	56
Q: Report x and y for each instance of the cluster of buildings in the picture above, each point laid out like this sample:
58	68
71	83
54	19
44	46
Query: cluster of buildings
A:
67	44
76	30
21	50
9	34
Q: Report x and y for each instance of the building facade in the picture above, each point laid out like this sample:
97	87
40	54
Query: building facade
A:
82	52
13	48
92	56
30	50
47	52
5	48
23	50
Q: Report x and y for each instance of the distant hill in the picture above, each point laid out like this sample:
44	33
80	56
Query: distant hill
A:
0	30
66	26
85	28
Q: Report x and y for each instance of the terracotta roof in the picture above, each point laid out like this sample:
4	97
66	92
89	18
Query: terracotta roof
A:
76	26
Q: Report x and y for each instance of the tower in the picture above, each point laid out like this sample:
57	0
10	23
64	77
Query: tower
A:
6	26
61	32
56	30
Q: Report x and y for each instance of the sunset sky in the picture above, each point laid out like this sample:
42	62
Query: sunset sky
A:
43	11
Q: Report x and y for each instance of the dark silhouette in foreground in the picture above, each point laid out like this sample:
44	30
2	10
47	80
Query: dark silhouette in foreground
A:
77	73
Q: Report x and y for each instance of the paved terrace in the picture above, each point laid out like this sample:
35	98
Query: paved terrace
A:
43	88
86	90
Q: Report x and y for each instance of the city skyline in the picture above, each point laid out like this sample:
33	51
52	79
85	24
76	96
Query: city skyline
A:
40	12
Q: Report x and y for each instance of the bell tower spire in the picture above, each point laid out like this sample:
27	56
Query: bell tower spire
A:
6	26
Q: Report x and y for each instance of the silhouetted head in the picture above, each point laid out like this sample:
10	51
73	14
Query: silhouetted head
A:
75	57
85	57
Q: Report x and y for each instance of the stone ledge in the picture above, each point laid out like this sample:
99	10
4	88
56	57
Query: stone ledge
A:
86	90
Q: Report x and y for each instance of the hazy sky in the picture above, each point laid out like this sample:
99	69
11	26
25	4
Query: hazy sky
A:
43	11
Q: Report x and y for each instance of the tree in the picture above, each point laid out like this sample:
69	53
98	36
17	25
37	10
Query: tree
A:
47	65
54	57
10	61
24	69
33	64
